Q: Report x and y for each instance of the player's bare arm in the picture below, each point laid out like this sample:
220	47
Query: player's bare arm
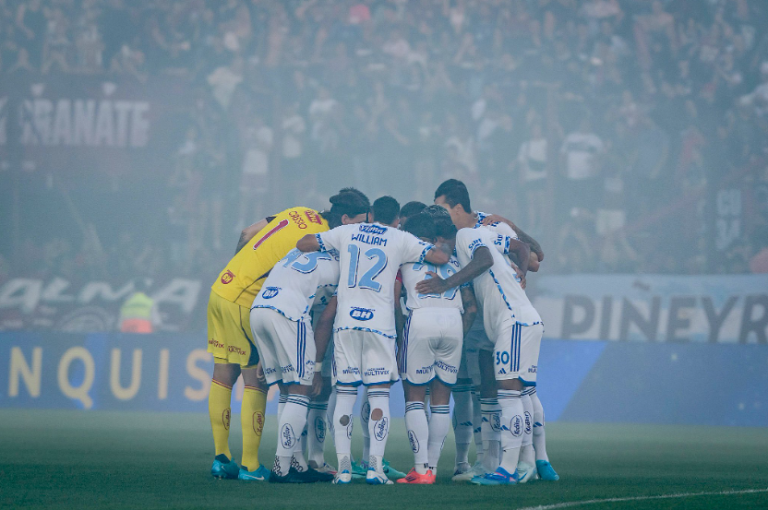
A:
482	261
248	233
470	308
521	253
438	255
534	244
308	243
399	317
323	330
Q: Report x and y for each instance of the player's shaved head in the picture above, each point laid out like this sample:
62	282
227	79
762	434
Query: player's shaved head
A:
386	210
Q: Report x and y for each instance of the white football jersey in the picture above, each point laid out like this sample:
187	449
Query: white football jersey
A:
498	290
299	281
370	256
414	273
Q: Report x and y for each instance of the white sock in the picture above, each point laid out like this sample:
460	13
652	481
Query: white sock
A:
462	422
418	434
329	414
299	462
317	429
491	433
365	414
512	428
292	419
343	421
477	423
439	424
527	454
378	429
539	437
281	405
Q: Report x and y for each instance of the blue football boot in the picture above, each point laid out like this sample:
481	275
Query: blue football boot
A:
224	468
546	472
260	475
499	477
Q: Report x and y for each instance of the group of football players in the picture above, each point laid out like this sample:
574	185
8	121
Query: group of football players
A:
321	303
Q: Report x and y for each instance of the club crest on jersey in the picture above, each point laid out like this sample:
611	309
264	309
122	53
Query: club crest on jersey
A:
227	277
361	314
270	292
414	441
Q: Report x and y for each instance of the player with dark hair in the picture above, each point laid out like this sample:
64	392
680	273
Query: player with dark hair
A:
430	350
386	210
230	339
411	209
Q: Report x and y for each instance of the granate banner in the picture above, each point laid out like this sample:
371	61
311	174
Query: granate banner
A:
71	122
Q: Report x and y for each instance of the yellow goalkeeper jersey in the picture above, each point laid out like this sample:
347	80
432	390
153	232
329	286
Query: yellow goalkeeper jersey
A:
244	275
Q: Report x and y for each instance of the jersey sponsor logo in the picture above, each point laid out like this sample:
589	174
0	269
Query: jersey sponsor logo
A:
271	232
373	229
414	441
381	429
475	244
313	217
298	220
227	277
270	292
361	314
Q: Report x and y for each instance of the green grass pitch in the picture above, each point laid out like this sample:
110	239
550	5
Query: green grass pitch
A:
62	459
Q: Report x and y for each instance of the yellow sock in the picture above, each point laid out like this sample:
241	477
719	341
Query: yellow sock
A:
219	400
252	419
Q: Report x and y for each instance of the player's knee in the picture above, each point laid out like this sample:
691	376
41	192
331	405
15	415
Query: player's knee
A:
377	414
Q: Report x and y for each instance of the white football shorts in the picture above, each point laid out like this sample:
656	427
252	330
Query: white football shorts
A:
363	357
432	345
516	355
286	348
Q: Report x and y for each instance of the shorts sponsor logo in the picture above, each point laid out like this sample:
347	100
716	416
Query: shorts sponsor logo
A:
376	371
424	370
286	368
351	370
298	220
270	292
258	422
381	430
269	371
446	367
225	417
320	429
227	277
287	437
414	441
236	349
516	425
361	314
528	423
215	343
532	369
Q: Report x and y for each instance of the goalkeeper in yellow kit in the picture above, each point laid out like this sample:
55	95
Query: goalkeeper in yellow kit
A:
230	340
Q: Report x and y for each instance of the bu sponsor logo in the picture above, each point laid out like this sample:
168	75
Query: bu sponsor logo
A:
414	441
227	277
361	314
270	292
365	412
382	427
528	423
258	423
516	425
496	421
287	437
225	417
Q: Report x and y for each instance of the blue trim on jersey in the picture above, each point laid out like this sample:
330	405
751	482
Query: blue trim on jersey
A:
270	307
369	330
501	291
320	242
424	253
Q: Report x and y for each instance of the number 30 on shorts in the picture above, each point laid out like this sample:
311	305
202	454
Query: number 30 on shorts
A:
502	357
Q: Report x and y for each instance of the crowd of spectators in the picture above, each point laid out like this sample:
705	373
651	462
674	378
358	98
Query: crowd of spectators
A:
613	130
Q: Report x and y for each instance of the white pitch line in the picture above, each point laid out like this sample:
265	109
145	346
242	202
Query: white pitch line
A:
570	504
